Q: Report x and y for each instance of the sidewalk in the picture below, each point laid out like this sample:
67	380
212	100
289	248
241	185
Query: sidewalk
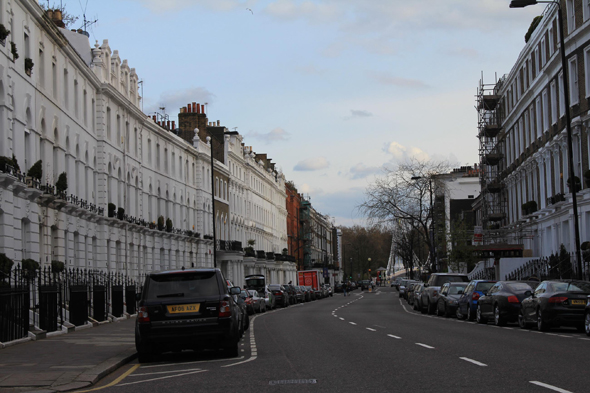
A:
67	361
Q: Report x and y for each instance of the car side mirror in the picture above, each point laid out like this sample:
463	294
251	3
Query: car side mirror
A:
235	290
528	294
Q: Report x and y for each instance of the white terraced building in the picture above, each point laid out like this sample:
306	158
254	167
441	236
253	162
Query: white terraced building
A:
79	112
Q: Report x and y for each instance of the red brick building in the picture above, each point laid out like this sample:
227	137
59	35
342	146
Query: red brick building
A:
295	240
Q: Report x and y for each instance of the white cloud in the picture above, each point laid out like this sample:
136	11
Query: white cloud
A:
276	135
360	113
315	12
179	5
402	153
361	171
174	100
312	164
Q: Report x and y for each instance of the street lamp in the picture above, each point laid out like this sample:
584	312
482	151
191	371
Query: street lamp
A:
431	233
568	121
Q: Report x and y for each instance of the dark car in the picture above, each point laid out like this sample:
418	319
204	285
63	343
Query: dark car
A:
292	293
410	292
587	317
365	284
467	305
429	295
555	303
280	293
186	309
450	293
502	302
417	291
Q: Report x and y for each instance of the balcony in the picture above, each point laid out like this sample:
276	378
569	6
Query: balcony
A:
495	187
488	102
493	158
490	130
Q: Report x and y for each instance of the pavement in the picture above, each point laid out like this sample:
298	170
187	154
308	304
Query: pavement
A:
69	361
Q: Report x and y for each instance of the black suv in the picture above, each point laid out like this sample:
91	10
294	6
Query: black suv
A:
186	309
430	293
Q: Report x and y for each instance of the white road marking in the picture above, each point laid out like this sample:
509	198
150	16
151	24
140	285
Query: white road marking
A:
474	362
352	323
587	339
563	335
177	364
373	330
342	319
425	346
160	378
392	336
165	372
551	387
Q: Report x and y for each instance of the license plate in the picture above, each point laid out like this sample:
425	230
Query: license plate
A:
578	302
183	308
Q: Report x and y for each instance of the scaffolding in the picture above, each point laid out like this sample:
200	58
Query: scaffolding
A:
491	137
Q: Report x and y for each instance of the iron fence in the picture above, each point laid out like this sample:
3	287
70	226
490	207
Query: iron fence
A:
562	266
47	299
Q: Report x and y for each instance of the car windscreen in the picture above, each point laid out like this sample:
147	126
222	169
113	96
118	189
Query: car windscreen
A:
455	288
484	286
182	285
574	286
255	282
518	287
274	286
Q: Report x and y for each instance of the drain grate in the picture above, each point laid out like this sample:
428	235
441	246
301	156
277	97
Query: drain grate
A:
292	381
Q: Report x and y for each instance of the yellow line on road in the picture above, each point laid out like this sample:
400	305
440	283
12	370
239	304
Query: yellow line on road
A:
116	381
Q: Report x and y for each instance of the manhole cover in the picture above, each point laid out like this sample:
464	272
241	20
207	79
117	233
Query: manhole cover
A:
292	381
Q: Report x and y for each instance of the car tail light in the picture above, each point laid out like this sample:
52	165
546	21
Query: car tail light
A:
475	296
224	309
434	293
142	315
557	299
513	299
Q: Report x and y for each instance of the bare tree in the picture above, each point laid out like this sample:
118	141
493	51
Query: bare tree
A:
406	194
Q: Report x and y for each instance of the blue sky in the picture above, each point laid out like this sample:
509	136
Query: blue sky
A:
331	90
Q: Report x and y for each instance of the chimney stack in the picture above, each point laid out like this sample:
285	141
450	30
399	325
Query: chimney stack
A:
194	107
173	125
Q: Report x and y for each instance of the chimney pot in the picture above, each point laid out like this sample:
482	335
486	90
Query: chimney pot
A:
198	108
189	107
173	125
217	123
194	107
168	124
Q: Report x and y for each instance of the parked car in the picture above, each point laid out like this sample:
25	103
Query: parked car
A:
587	317
555	303
410	292
248	301
467	305
269	298
259	301
245	317
186	309
432	288
502	302
416	304
450	293
292	293
328	289
280	293
365	284
402	288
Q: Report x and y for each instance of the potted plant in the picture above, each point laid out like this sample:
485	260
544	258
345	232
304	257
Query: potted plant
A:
120	213
111	209
161	223
577	183
13	51
30	267
62	183
57	266
5	265
168	225
36	171
29	65
3	34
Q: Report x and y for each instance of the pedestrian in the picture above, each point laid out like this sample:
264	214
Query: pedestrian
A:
344	288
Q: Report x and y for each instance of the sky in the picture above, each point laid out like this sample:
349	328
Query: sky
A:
334	91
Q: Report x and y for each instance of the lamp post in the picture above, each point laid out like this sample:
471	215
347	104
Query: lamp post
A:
431	232
568	121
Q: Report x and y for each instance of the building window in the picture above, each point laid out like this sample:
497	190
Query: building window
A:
573	74
587	70
545	108
537	62
543	52
586	10
553	98
571	16
66	98
551	42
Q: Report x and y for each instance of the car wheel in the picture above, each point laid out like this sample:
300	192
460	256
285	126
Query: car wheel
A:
522	321
478	317
587	323
430	308
542	325
447	313
459	314
498	320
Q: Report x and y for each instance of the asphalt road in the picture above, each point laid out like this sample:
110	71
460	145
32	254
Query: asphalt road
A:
371	342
